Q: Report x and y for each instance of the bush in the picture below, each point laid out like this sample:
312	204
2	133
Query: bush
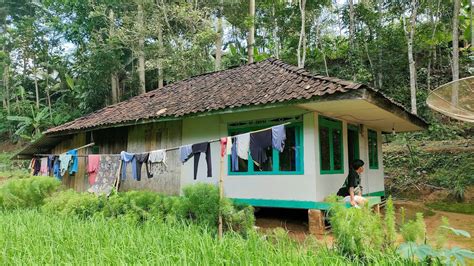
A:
28	192
414	230
71	203
357	232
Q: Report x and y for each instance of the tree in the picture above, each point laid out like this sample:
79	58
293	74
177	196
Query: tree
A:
301	52
410	33
455	61
251	33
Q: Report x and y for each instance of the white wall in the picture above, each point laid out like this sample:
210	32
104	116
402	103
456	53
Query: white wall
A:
277	187
310	186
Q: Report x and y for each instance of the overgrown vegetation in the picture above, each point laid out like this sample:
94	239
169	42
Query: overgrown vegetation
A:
26	193
458	207
412	168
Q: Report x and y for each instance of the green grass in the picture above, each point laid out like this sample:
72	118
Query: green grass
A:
458	207
31	236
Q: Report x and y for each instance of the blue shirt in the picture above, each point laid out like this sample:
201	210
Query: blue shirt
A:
75	161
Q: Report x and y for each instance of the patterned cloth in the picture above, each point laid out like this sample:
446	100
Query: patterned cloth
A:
107	175
157	161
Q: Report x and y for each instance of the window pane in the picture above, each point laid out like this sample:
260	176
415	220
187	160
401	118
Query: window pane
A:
373	157
337	148
324	143
266	166
288	156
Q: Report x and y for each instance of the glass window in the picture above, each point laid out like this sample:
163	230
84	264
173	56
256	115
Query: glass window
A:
373	150
331	146
289	161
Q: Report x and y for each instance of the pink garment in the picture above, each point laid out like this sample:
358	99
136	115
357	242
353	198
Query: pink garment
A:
44	166
93	167
223	146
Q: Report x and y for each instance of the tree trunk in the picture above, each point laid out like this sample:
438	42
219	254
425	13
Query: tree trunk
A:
455	67
380	55
35	78
160	61
410	31
301	52
217	62
432	50
276	41
141	49
113	76
6	82
351	36
251	34
472	26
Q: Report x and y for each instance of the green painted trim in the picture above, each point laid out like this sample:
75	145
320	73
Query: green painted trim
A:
298	204
298	125
373	149
376	193
331	125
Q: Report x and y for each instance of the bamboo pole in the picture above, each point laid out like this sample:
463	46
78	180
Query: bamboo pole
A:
221	193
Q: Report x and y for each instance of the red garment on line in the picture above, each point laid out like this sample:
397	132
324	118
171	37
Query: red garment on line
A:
93	161
223	146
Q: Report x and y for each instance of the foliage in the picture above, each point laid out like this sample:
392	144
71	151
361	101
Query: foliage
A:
199	205
414	230
389	220
357	232
117	241
458	207
448	169
27	192
333	198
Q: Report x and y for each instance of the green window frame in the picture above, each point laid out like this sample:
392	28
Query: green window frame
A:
373	149
243	127
332	127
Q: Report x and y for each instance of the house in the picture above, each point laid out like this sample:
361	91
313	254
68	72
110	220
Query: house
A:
331	122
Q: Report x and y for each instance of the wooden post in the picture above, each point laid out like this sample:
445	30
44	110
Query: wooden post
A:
316	222
221	194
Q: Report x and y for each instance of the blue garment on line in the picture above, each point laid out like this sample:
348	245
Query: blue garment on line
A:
185	152
126	158
278	137
75	161
234	159
56	169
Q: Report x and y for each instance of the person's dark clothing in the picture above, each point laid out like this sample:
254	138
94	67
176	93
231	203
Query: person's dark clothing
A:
352	180
197	150
36	166
259	143
51	159
141	159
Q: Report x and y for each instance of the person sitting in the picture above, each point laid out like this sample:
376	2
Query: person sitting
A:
351	190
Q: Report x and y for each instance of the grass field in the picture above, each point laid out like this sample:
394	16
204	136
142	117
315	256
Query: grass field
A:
28	236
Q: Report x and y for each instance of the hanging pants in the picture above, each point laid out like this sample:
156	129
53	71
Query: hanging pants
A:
197	149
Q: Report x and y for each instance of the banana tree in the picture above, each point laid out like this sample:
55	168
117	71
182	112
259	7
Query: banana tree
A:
29	127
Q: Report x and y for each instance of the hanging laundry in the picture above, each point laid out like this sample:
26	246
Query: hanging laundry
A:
243	141
185	152
126	158
65	160
93	161
139	160
229	146
109	168
223	142
36	166
57	168
234	158
74	163
259	142
51	159
44	166
157	161
278	137
197	149
31	166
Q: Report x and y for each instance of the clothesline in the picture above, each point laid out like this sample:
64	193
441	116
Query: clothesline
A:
167	149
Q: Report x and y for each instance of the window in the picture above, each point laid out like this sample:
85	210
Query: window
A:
373	150
290	161
330	143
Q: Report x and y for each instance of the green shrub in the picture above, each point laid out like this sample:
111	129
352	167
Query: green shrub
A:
28	192
357	232
71	203
201	204
390	230
414	230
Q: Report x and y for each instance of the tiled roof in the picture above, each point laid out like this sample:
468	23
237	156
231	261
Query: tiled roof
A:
260	83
